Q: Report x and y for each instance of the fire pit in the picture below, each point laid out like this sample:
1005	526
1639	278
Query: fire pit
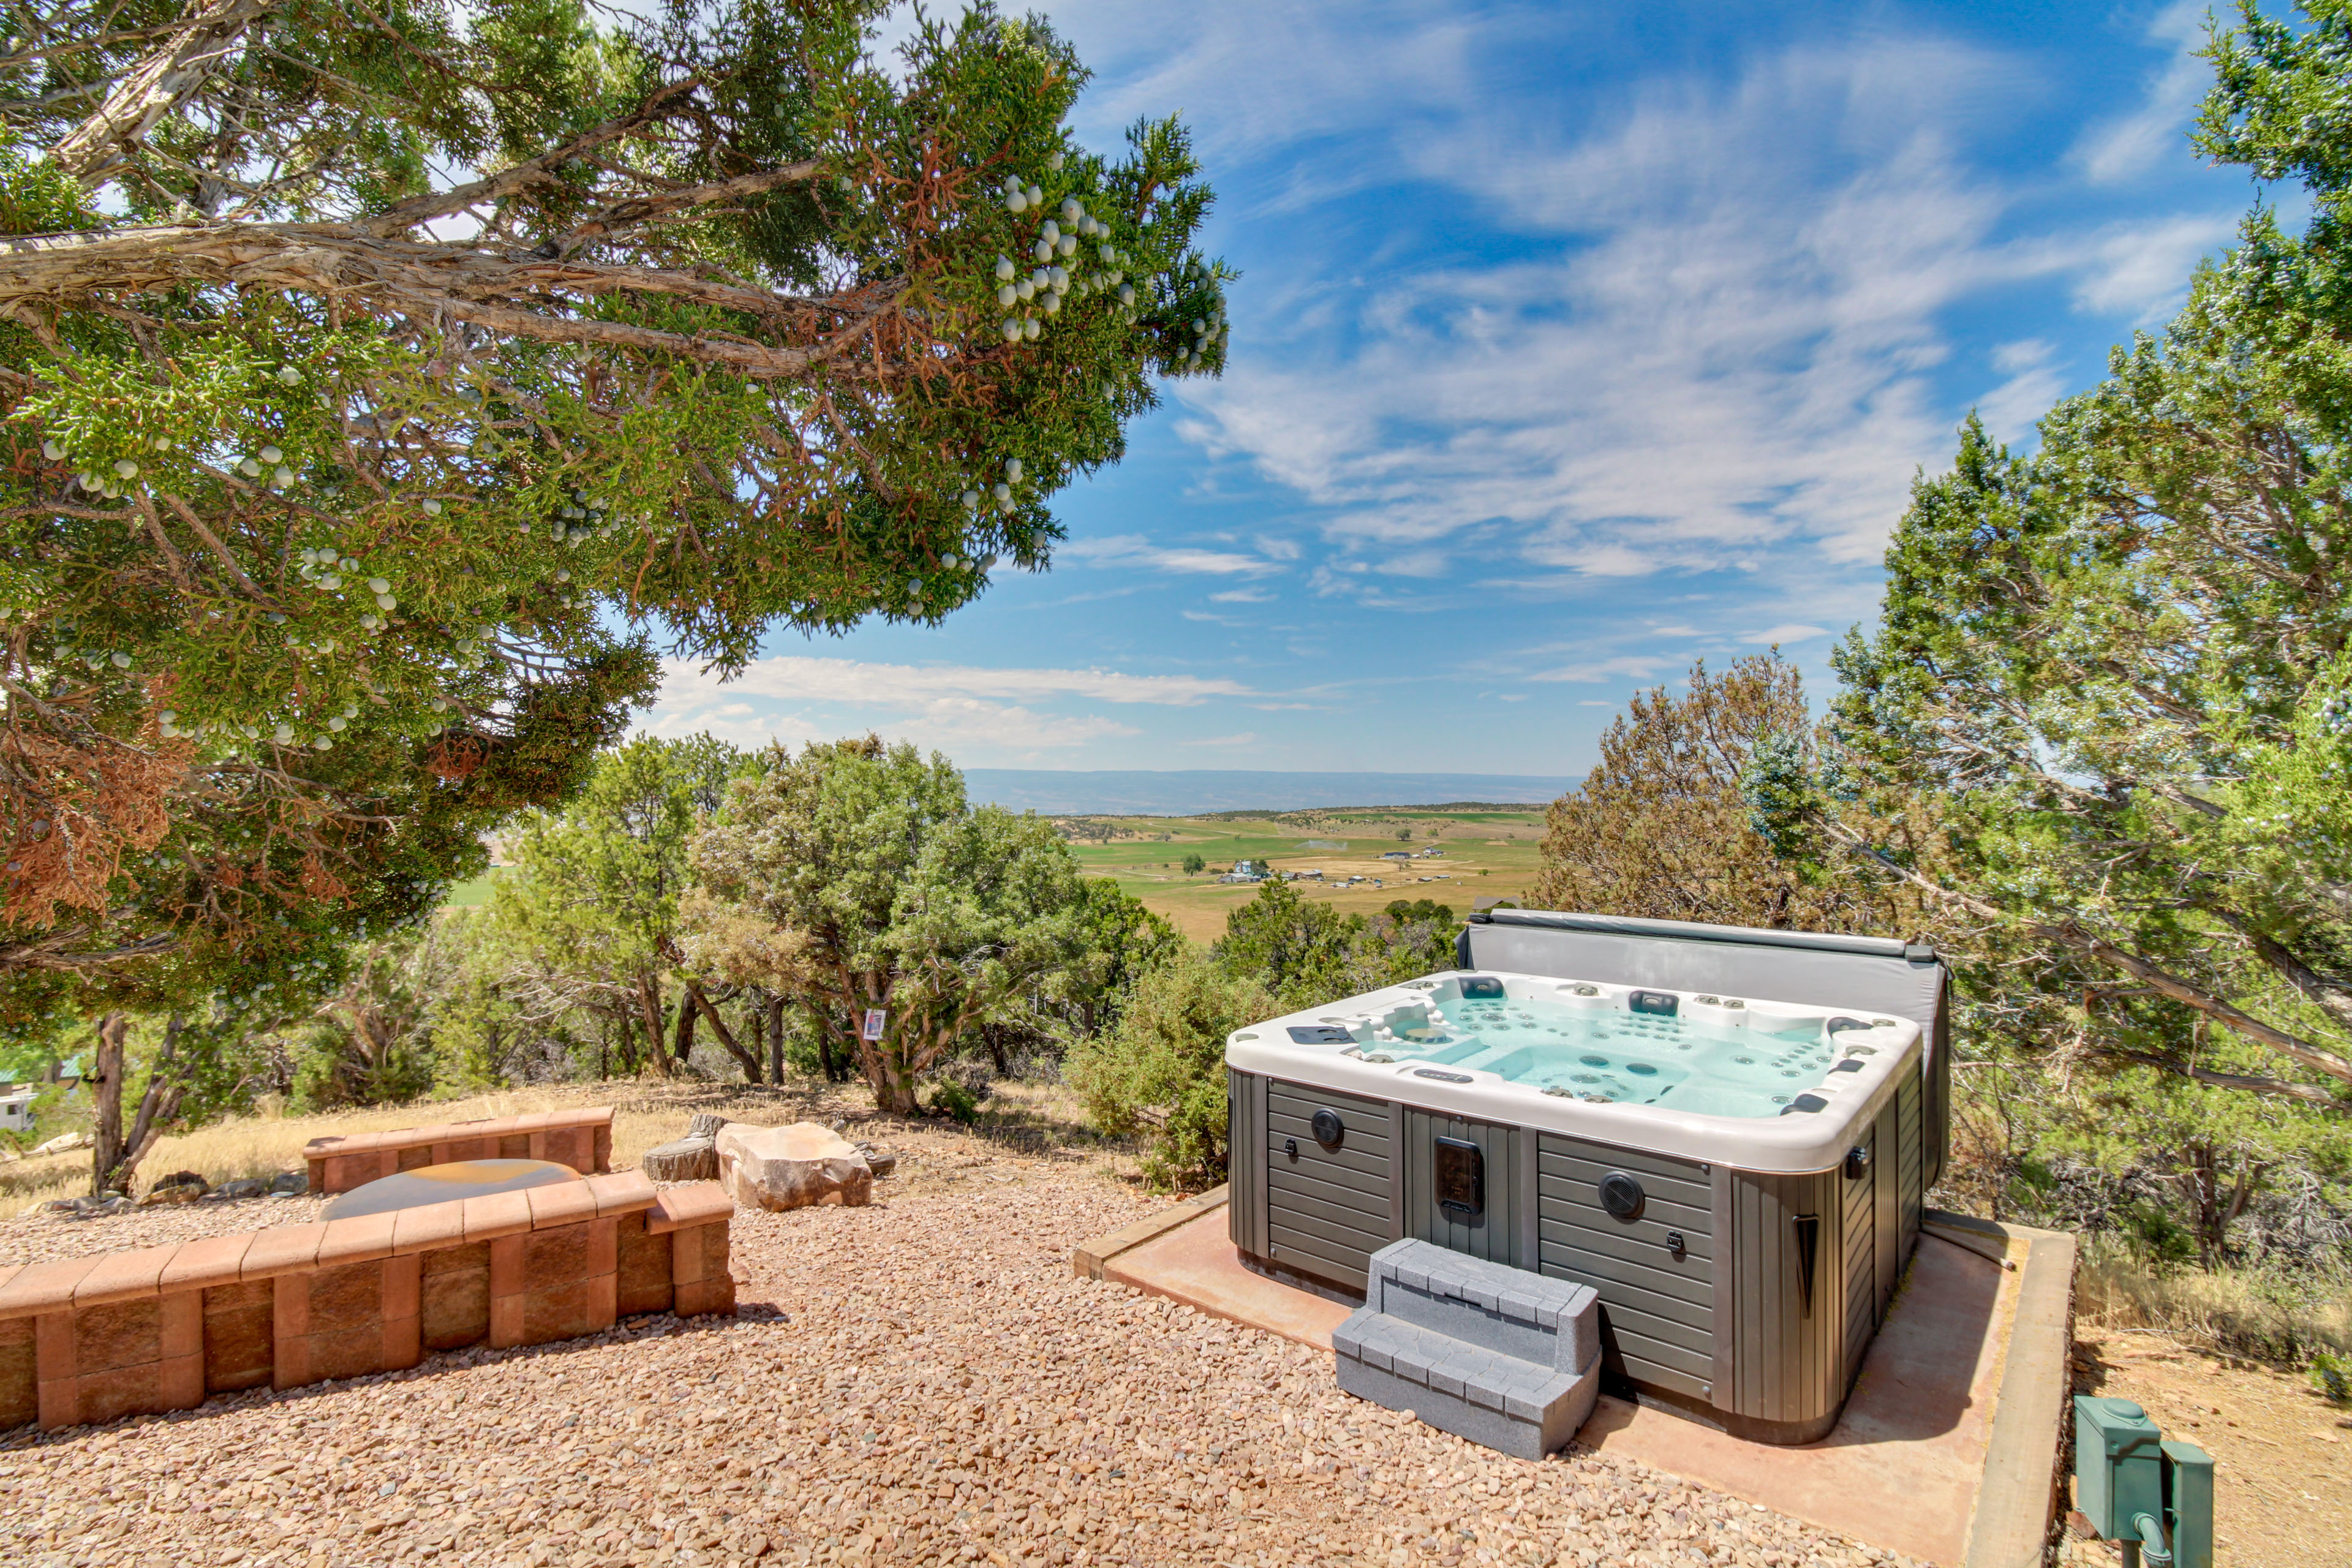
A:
446	1184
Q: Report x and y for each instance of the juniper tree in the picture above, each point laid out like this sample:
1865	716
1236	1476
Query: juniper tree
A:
384	385
1659	828
895	895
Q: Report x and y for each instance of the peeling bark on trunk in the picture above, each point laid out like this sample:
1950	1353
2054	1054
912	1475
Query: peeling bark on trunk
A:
157	86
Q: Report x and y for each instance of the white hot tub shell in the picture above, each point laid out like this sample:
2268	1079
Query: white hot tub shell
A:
1744	1212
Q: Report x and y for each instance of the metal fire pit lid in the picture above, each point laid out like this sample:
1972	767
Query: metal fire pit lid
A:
442	1183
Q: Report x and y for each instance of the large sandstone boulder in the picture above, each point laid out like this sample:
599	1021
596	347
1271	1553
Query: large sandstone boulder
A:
791	1167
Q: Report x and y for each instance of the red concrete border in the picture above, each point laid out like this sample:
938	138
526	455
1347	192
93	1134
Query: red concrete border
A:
580	1139
92	1338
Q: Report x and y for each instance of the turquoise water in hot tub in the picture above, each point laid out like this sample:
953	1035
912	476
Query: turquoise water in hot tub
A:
1629	1059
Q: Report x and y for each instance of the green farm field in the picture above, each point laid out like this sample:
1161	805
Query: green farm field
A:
1489	854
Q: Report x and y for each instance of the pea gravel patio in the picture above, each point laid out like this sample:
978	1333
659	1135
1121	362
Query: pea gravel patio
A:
920	1381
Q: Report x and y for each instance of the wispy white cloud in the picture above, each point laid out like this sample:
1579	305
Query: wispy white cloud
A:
1729	357
2130	144
801	679
1793	632
2141	270
1241	596
1246	738
1634	668
2011	410
963	727
1134	550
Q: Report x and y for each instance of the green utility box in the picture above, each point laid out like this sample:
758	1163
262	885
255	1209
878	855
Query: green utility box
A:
2188	1499
2118	1466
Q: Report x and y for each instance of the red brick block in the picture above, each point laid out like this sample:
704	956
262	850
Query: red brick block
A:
428	1227
454	1291
118	1334
694	1204
561	1202
20	1400
358	1239
123	1276
563	1312
240	1332
621	1194
642	1262
501	1213
43	1288
214	1261
403	1338
706	1298
555	1256
282	1249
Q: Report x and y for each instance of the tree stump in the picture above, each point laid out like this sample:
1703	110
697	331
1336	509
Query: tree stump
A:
706	1124
687	1159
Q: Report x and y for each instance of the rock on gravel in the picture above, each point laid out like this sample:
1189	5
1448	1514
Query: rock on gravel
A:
918	1381
791	1167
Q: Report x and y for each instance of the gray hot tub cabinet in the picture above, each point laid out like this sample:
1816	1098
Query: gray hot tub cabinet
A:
1742	1298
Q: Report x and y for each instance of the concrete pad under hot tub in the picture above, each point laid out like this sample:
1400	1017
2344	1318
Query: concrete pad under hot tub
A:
1946	1451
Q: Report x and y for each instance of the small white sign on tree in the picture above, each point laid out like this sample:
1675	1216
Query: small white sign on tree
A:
877	1020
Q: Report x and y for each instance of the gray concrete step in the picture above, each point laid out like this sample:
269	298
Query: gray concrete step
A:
1507	1359
1551	1323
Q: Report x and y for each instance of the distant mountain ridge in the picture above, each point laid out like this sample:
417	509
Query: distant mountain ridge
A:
1196	791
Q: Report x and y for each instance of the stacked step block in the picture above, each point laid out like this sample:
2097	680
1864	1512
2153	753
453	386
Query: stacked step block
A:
1504	1358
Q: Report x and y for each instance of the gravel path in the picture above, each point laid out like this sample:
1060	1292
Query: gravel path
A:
916	1382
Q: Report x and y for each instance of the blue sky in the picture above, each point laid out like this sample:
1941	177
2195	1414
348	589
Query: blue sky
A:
1573	343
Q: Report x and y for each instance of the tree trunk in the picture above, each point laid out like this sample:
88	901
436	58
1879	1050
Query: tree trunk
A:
685	1014
775	1039
649	1002
894	1085
115	1156
746	1060
994	1039
825	1055
106	1095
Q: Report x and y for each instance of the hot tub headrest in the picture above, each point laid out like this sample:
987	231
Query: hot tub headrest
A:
1817	969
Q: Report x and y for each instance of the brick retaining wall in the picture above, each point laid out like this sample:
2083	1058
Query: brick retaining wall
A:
125	1333
580	1139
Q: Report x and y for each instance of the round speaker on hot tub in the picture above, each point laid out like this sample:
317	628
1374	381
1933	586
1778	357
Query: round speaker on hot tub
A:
1622	1196
1327	1127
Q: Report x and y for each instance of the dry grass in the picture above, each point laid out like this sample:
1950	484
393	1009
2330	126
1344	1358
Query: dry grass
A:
2228	1311
1026	1118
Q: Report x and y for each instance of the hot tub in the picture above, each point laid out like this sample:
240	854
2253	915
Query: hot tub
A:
1727	1133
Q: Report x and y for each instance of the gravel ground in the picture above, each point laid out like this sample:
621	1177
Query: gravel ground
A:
920	1381
41	1239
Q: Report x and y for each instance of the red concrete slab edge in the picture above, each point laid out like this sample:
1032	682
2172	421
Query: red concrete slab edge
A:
1194	1265
2017	1495
1087	1258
